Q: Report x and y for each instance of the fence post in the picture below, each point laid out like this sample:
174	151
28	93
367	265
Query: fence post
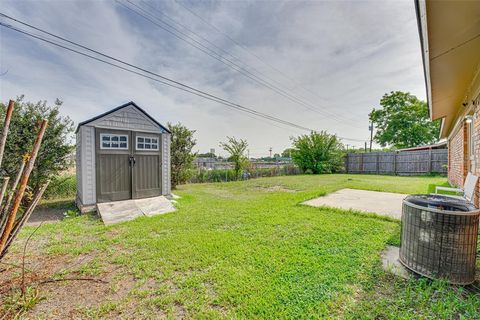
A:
395	163
361	163
347	162
429	161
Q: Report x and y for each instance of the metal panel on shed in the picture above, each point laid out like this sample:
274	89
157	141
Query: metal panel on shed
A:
166	185
78	165
87	160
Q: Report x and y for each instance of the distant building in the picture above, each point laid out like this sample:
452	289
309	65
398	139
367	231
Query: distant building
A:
206	163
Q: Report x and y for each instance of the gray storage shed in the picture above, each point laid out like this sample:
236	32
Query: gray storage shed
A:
121	154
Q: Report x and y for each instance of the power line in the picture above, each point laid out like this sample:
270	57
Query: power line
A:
163	80
247	50
231	39
206	40
222	59
180	86
228	62
229	53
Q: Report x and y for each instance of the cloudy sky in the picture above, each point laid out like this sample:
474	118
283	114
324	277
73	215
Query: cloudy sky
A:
318	64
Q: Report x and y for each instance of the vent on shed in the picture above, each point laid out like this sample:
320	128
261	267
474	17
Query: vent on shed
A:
439	237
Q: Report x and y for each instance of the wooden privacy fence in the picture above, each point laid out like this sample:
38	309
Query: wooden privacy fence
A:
402	163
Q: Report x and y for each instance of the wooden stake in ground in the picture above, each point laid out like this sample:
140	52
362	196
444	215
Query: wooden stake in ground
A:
4	207
3	190
23	185
28	212
6	125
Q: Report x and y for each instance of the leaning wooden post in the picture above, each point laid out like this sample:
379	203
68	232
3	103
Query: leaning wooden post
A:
23	185
4	207
6	125
4	188
26	215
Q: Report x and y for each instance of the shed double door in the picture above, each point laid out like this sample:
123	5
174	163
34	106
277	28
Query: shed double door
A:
128	165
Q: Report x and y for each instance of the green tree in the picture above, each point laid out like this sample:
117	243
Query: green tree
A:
181	155
53	156
287	153
318	152
403	121
236	149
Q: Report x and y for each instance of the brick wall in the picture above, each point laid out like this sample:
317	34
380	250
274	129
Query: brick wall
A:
475	167
458	162
457	156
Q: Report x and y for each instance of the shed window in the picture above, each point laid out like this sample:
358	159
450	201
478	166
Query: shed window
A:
147	143
113	141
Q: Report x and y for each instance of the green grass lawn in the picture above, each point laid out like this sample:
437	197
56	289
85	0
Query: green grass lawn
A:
245	250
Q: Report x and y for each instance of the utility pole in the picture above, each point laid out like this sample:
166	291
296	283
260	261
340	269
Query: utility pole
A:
347	146
248	154
370	127
270	151
366	146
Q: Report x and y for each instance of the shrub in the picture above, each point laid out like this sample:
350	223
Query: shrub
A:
181	155
224	175
53	154
318	152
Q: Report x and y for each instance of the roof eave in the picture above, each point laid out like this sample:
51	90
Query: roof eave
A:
420	9
421	12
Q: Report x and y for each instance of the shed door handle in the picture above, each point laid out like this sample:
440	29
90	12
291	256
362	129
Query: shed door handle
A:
131	161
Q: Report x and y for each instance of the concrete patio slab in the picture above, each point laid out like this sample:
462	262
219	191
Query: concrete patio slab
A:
391	263
383	203
119	211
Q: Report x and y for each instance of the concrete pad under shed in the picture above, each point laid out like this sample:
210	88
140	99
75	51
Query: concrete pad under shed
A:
120	211
383	203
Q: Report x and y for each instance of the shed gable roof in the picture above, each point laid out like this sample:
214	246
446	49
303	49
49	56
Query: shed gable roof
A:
126	116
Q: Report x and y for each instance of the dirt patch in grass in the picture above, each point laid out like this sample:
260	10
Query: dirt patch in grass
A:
46	215
51	211
275	188
59	298
97	289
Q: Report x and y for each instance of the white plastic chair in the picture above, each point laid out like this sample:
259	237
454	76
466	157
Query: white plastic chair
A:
468	188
